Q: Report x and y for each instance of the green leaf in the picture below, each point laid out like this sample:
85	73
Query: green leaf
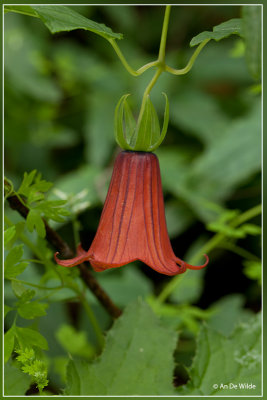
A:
24	188
26	296
52	209
32	310
35	221
28	337
16	383
77	182
238	150
14	256
189	288
9	339
18	288
32	366
192	109
220	360
126	286
9	234
251	26
253	270
74	342
137	359
228	312
222	31
26	10
98	130
13	264
7	309
60	18
178	217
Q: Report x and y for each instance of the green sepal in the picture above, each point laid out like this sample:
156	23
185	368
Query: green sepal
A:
118	124
146	136
148	130
165	125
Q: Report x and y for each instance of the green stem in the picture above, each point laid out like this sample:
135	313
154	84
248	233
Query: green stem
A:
35	285
190	62
146	93
161	57
160	63
93	320
249	214
122	58
207	248
147	66
239	250
75	224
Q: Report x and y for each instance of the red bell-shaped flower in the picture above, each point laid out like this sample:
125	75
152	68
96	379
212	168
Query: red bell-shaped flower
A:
132	225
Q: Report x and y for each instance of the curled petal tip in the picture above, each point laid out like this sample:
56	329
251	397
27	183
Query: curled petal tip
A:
195	267
82	256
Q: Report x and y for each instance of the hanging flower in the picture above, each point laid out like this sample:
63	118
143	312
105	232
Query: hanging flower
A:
132	225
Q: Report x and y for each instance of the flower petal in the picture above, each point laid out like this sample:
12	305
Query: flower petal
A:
195	267
81	257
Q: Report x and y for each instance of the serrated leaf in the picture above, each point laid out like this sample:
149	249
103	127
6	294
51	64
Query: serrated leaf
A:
137	359
35	221
228	312
52	209
9	339
16	270
32	310
60	18
28	337
42	185
13	264
222	31
26	296
15	381
220	360
18	288
251	26
14	256
24	188
9	234
74	342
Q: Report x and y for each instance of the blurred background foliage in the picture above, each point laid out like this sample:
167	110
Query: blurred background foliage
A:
60	94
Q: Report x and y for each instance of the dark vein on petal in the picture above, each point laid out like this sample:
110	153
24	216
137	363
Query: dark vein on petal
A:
144	214
115	207
158	209
123	209
131	214
151	214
